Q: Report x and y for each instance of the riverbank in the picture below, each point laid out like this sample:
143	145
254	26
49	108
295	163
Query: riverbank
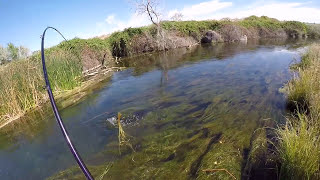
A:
21	83
299	142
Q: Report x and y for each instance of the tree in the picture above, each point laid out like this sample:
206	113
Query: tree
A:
13	52
177	17
149	7
3	55
24	52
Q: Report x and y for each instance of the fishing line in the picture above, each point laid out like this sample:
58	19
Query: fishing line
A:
64	131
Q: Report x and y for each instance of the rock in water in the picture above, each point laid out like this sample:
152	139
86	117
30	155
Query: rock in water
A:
244	38
211	36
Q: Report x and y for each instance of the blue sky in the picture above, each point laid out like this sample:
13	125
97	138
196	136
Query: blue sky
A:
23	21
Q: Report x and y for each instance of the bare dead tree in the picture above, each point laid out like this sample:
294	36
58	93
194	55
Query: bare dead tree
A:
177	17
149	7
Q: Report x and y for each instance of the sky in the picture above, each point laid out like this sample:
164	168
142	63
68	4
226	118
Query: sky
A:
23	21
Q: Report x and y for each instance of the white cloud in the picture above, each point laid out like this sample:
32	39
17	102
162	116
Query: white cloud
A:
112	24
201	10
217	9
110	19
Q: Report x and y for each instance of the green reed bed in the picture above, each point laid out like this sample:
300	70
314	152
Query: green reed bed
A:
299	139
22	84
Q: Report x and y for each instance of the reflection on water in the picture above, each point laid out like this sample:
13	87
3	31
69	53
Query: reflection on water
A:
185	108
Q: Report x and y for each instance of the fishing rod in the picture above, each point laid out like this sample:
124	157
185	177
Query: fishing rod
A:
64	131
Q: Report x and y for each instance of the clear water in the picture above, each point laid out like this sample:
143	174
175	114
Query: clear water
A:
173	103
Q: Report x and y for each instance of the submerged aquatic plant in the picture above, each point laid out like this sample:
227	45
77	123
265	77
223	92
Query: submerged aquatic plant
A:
123	137
217	170
105	171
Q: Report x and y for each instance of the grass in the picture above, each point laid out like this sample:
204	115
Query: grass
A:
299	149
22	84
20	88
64	70
299	143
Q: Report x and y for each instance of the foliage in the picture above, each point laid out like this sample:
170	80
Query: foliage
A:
64	70
260	22
177	17
189	27
299	148
21	82
76	45
299	140
120	42
313	30
20	88
3	55
13	52
295	28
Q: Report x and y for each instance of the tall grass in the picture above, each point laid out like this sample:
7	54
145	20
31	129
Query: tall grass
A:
20	88
299	140
22	84
299	148
64	70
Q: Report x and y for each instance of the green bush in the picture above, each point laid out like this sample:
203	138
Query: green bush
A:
119	42
313	30
260	22
188	27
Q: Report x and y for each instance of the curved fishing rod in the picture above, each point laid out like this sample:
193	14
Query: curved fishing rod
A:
72	148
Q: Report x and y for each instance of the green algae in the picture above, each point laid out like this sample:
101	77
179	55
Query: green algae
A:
178	149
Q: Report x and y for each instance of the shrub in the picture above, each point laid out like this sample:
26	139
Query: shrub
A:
188	28
120	42
313	30
295	29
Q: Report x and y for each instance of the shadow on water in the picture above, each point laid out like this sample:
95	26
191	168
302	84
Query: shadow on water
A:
186	109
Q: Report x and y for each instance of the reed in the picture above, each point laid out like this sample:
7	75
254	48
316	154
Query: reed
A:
22	84
299	139
123	138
